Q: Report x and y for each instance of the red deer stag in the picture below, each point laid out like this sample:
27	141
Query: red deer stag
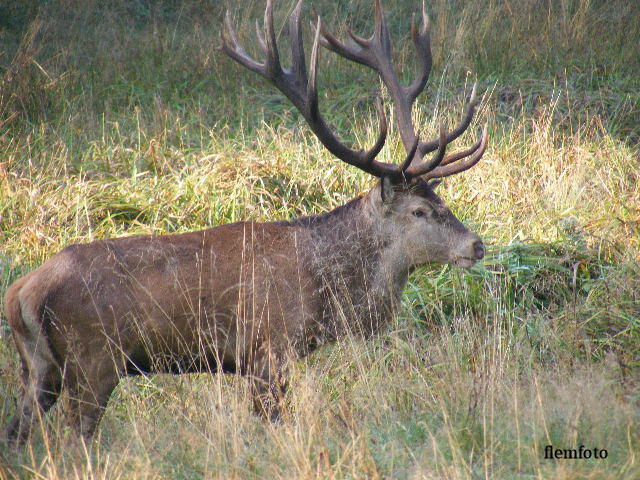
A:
247	297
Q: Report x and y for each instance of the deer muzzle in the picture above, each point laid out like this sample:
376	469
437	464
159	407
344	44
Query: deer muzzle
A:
471	251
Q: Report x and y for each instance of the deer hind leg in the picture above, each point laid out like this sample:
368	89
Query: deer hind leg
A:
89	383
41	382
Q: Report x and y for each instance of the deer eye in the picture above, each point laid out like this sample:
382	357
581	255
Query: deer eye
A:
419	213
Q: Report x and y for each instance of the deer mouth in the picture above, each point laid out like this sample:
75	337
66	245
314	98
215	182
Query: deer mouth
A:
465	262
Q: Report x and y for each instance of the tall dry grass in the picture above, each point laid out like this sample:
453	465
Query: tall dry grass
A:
119	118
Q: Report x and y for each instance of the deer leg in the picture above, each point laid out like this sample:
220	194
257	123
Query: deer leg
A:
40	390
268	387
89	391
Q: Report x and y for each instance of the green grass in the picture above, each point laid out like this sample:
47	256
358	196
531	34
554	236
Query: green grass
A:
120	118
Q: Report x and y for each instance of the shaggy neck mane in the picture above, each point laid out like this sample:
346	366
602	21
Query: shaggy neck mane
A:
346	211
360	281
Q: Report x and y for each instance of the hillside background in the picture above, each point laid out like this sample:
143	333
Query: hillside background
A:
121	118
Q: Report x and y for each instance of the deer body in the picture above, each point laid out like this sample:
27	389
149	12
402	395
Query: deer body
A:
245	297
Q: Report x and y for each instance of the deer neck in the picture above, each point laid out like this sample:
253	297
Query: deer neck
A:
360	270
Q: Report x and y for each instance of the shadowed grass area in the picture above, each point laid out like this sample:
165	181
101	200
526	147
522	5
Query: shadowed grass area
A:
120	118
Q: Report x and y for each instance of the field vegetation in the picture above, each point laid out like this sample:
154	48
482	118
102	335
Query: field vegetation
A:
121	118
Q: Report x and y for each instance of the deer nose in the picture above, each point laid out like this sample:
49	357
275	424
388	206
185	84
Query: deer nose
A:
478	249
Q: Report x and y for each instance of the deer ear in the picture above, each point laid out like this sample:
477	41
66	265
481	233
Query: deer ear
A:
434	183
387	192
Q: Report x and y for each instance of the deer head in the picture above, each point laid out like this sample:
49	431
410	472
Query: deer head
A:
403	202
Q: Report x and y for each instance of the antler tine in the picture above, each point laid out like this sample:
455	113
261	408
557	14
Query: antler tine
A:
382	136
421	169
298	66
381	32
363	42
272	66
427	147
350	52
365	50
232	47
260	37
456	167
422	42
409	158
454	157
312	89
330	42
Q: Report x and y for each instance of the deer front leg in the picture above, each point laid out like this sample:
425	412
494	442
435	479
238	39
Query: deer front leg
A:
268	385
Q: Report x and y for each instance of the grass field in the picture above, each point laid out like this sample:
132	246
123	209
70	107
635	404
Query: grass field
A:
120	118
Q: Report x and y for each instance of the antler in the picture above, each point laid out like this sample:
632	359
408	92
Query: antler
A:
375	52
300	87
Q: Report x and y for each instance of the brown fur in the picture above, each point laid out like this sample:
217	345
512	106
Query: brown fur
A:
245	297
